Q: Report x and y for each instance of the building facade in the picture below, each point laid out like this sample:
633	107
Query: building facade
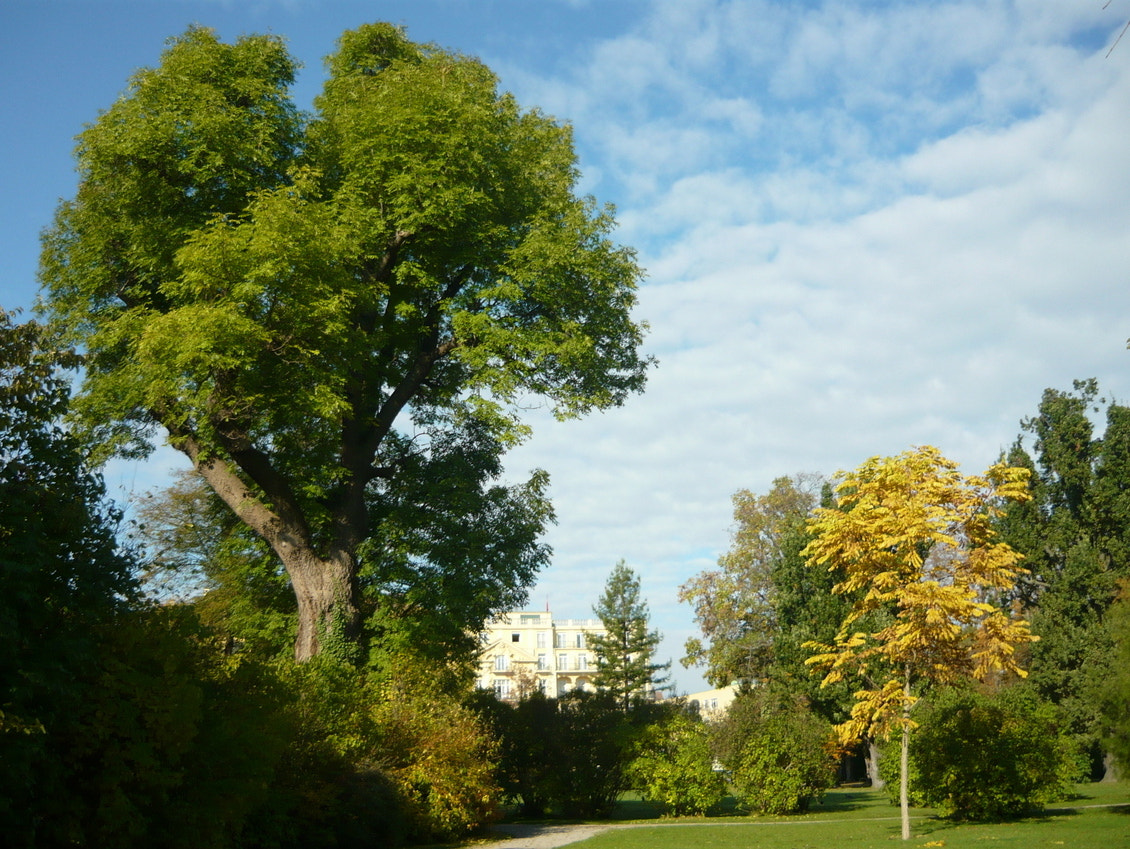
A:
530	650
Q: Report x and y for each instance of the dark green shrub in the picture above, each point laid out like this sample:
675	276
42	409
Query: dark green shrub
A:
591	754
674	766
986	757
779	753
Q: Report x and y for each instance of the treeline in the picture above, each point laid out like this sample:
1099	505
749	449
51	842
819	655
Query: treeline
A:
772	603
155	699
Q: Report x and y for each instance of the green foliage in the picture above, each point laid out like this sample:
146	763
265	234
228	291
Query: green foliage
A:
528	737
736	606
780	755
395	758
984	757
412	255
592	754
674	766
569	756
441	759
1115	692
1075	536
624	652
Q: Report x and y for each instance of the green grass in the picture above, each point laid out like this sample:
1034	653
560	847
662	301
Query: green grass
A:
865	819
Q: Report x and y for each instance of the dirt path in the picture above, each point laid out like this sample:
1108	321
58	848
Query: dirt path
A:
547	836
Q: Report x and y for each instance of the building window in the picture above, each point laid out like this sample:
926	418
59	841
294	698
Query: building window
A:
581	640
582	662
541	639
562	662
542	663
502	688
515	638
530	618
501	663
561	641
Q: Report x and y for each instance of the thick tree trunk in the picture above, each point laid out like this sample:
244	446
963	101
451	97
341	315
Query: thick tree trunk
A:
1110	769
873	756
328	611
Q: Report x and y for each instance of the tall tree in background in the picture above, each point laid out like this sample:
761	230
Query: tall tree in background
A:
1075	535
624	653
913	535
324	312
735	604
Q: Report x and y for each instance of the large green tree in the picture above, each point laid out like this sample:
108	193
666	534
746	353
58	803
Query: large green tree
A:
63	572
624	653
1075	535
311	305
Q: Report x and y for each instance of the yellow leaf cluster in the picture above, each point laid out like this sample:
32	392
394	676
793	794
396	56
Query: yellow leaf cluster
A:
913	539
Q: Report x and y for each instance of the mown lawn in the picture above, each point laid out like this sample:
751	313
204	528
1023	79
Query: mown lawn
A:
864	819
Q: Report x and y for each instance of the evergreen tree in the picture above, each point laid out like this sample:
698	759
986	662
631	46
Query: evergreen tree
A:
624	653
1075	536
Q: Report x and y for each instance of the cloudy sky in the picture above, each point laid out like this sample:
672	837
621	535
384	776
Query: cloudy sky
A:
867	226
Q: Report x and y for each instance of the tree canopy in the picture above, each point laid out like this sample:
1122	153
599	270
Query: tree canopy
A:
624	652
737	605
1075	535
322	310
913	536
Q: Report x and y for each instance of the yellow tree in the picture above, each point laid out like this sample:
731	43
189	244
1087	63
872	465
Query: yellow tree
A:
913	537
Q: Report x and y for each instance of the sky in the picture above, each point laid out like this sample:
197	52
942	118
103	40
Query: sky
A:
866	226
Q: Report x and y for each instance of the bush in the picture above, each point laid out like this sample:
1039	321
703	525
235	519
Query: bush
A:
441	760
674	766
986	757
779	753
591	754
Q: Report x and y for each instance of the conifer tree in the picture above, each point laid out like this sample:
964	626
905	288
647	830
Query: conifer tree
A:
624	653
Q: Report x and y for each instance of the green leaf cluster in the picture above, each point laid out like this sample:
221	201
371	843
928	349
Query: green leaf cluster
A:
674	766
779	754
985	756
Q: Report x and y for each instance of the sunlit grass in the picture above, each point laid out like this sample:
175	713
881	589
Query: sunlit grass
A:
865	819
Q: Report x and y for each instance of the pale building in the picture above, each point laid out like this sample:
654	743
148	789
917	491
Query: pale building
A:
528	650
712	704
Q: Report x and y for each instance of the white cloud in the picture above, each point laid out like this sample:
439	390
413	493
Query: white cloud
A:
819	292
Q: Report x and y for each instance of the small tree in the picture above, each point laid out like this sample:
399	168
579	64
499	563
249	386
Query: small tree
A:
777	750
674	766
985	757
914	539
736	605
624	652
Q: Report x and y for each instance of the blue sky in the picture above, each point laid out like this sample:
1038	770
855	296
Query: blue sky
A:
867	226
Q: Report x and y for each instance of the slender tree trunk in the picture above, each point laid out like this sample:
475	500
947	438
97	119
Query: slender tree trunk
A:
328	610
904	764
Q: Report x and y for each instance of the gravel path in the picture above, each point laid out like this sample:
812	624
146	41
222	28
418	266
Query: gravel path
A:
546	836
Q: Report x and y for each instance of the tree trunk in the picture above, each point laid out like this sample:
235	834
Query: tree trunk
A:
328	612
1110	769
873	755
904	764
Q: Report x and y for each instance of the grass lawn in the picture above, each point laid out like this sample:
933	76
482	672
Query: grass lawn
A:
864	819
